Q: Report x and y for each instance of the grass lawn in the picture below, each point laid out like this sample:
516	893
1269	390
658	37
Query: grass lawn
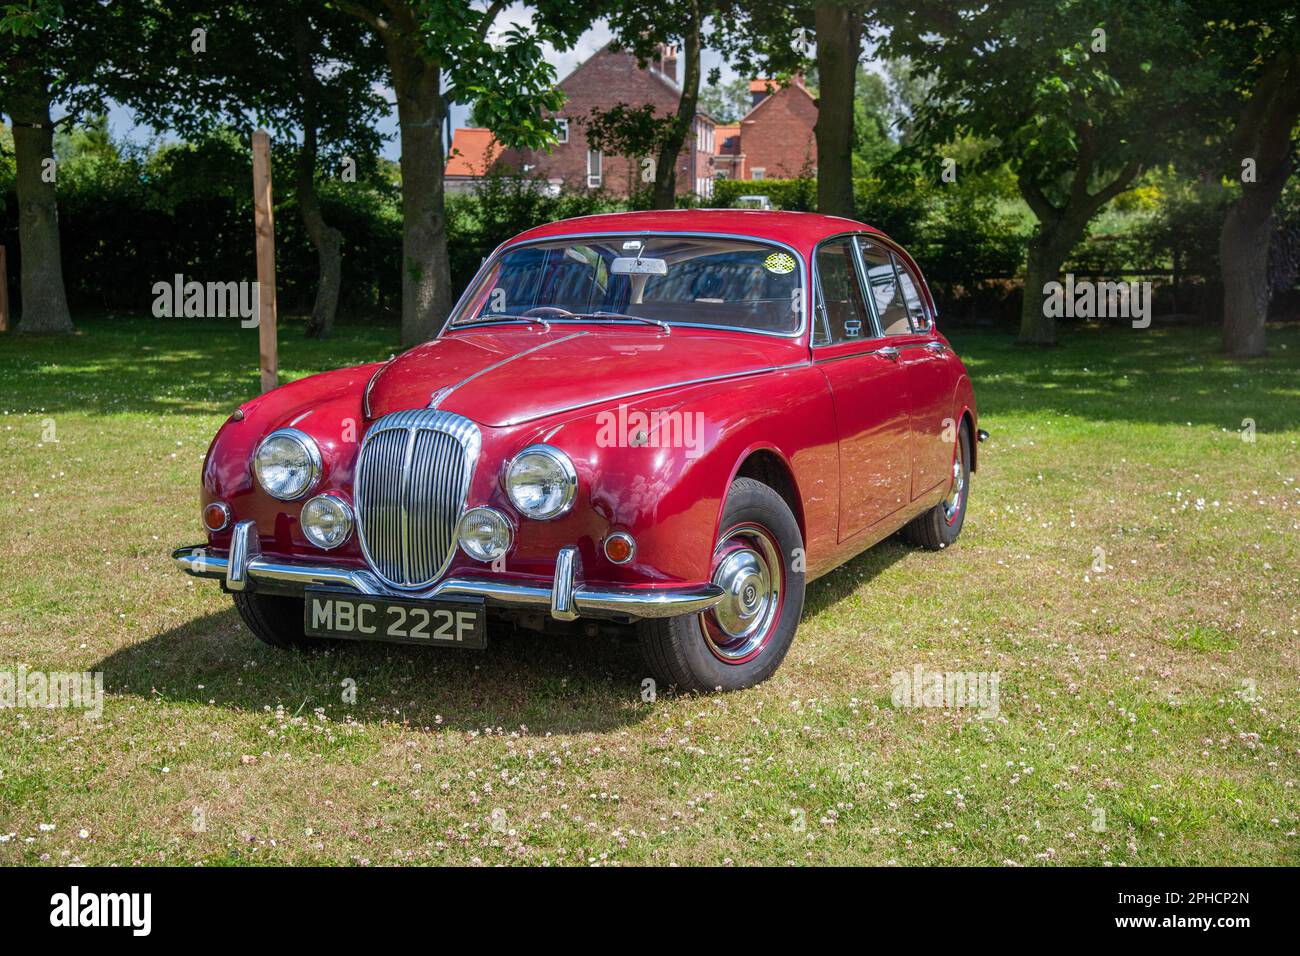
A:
1149	711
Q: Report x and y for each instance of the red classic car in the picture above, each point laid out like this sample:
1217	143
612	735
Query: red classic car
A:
662	420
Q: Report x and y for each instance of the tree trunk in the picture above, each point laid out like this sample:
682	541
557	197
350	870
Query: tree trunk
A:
327	240
839	39
1060	229
45	303
426	275
1243	266
1263	135
664	195
1043	266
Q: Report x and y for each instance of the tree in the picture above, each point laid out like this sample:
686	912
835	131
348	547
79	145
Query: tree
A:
873	120
1257	50
245	58
508	82
48	55
643	29
781	39
1065	92
839	26
634	132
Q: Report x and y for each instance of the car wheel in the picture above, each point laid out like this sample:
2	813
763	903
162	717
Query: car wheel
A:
275	620
940	526
758	561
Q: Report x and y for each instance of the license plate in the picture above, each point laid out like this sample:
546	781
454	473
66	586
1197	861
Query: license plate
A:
449	623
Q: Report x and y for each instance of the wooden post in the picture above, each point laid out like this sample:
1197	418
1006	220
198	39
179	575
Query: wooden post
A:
268	344
4	292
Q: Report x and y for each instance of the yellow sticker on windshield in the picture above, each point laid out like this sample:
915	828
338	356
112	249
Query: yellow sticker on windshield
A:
779	263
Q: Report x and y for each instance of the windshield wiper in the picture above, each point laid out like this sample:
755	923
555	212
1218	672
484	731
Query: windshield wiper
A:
527	319
633	318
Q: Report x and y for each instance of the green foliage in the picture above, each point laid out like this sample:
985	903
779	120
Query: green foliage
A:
795	195
726	102
1063	92
509	81
503	206
628	131
959	232
132	217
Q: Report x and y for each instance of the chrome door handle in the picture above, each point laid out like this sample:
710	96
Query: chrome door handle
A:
938	348
889	352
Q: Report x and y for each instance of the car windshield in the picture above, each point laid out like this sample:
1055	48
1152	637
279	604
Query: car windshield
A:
672	280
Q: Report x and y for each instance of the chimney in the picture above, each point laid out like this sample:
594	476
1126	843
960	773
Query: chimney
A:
668	61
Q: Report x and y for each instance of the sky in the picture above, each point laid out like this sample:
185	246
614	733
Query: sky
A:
123	125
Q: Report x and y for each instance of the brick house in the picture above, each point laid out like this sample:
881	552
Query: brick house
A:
606	78
774	140
473	153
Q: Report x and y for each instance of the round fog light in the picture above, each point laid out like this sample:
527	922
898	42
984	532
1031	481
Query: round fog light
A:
326	521
484	534
216	516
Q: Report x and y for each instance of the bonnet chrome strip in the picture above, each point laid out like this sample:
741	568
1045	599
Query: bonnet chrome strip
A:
441	395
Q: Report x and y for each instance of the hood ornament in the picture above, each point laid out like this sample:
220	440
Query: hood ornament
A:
436	398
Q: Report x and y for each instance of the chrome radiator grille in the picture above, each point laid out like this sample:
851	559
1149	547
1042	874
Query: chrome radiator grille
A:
412	480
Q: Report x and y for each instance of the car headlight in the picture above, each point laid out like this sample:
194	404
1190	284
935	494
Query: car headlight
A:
287	463
484	534
326	521
541	482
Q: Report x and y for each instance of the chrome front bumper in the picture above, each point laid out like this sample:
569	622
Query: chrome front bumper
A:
567	598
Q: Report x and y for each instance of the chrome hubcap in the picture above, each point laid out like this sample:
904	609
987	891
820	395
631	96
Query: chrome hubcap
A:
952	504
748	569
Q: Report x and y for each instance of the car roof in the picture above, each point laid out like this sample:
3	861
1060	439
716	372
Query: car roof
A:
802	230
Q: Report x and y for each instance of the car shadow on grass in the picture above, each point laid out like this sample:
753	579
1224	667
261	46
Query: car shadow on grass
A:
846	580
548	683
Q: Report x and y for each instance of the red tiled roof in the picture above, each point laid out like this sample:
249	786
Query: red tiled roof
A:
473	151
720	136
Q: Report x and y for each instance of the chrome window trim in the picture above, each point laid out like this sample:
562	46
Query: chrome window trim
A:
927	300
804	273
862	287
894	249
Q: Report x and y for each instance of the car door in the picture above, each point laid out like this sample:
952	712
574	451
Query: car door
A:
868	389
926	363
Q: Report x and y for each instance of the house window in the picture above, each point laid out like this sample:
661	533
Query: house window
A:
561	129
594	166
758	172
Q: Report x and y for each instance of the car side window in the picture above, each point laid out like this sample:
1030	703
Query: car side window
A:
912	296
842	312
886	290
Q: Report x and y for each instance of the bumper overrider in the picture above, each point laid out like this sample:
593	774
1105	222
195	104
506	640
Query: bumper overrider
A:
243	567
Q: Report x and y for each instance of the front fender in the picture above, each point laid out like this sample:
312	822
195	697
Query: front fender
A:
659	466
